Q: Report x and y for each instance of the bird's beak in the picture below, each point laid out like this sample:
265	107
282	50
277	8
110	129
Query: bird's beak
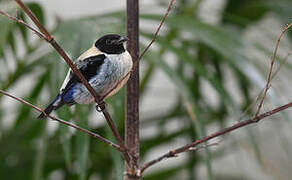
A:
123	39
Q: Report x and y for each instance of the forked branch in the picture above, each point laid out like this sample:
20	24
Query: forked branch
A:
272	62
19	21
238	125
234	127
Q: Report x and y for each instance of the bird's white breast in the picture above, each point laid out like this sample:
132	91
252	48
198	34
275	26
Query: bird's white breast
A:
126	63
111	72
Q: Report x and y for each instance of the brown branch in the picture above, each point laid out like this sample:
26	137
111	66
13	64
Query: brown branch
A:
268	84
96	136
132	119
158	29
260	93
238	125
191	149
97	98
35	20
132	92
19	21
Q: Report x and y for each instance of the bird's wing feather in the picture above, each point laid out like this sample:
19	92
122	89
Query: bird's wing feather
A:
88	67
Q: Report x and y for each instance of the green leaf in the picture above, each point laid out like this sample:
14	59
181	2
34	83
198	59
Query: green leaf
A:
6	28
82	149
40	156
201	70
66	135
25	111
37	11
244	12
222	40
66	142
82	144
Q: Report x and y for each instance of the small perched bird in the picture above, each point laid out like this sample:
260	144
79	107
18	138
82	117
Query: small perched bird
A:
104	65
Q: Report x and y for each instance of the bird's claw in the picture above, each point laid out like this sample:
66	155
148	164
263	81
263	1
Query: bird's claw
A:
101	106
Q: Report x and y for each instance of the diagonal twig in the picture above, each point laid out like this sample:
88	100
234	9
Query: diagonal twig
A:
268	84
234	127
172	154
19	21
35	20
260	93
203	146
158	29
97	136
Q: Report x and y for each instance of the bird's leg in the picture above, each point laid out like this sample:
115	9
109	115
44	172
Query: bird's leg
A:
100	106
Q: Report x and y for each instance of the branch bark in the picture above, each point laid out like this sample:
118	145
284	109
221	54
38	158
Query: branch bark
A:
269	78
97	136
175	152
132	97
21	22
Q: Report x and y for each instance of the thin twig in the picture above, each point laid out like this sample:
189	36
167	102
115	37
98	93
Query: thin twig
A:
203	146
260	93
172	154
158	29
35	20
19	21
238	125
97	98
96	136
268	84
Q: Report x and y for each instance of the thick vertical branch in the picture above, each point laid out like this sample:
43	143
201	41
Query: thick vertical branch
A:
132	98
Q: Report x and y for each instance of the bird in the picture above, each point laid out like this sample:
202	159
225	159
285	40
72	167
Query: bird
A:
106	66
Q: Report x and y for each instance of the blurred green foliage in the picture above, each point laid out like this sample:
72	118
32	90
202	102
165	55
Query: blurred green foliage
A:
202	53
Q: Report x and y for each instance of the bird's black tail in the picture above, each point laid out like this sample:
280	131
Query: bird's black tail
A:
52	106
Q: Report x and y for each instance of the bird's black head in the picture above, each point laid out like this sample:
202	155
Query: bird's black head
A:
111	44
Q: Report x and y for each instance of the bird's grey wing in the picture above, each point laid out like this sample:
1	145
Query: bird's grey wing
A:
88	67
